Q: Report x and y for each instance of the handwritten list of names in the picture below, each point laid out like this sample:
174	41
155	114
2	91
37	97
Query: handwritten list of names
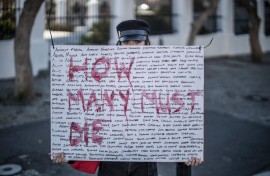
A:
127	103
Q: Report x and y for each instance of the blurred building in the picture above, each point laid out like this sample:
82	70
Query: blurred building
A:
85	22
9	15
171	20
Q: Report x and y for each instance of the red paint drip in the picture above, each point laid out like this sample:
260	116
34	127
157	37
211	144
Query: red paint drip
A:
86	129
73	69
95	130
193	94
92	99
152	99
165	107
109	100
178	101
76	127
97	139
98	109
95	74
101	97
125	98
77	98
124	70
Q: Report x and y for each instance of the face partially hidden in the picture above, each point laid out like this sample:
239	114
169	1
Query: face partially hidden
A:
133	42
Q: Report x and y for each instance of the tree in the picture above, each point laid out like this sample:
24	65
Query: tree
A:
24	81
197	25
256	51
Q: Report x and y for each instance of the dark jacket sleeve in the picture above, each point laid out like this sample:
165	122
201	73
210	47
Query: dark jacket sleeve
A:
85	166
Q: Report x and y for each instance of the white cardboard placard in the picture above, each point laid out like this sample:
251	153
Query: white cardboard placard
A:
127	103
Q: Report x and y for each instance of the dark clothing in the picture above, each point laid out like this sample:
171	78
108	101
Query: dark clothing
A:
127	169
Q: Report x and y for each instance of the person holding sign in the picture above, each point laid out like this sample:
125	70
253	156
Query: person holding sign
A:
130	32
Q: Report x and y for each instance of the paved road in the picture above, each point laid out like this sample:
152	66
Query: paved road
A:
28	145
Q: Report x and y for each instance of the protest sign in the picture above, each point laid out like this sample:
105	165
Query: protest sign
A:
127	103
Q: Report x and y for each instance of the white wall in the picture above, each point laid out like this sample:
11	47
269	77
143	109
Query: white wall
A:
7	66
225	42
120	10
38	50
39	46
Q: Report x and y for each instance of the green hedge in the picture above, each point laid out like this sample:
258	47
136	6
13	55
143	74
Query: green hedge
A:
100	33
8	25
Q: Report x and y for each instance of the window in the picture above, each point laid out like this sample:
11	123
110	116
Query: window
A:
211	25
158	13
241	18
267	17
7	19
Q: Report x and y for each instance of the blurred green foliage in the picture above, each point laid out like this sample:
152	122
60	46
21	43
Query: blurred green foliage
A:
7	24
99	34
60	27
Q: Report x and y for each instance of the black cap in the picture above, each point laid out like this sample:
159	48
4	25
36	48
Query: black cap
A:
133	30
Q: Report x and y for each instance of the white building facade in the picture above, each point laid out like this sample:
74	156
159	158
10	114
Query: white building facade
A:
39	48
228	37
225	41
